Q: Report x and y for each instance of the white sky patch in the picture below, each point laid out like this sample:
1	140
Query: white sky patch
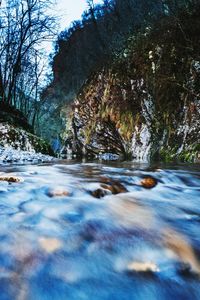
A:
70	10
67	11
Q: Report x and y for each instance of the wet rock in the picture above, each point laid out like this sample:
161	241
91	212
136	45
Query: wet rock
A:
10	179
142	267
149	182
114	186
99	193
57	192
104	179
50	245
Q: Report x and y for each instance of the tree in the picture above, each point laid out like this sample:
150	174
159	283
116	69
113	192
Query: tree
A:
24	26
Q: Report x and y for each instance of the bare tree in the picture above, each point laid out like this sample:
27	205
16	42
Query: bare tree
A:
24	26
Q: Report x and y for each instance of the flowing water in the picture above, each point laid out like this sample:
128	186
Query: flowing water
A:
58	241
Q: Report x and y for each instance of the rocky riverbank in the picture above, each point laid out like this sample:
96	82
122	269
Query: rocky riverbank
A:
18	145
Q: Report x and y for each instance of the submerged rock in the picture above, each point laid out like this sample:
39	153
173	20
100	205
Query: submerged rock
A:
50	245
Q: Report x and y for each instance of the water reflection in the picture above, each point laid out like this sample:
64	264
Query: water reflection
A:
60	241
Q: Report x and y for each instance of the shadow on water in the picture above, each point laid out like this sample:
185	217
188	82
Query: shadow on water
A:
73	230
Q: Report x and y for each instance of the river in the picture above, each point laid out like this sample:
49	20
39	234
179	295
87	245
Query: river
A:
64	235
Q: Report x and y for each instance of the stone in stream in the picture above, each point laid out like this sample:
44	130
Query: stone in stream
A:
149	182
104	179
10	179
142	267
114	186
57	192
99	193
108	184
50	245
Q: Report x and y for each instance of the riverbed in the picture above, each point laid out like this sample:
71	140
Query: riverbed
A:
66	233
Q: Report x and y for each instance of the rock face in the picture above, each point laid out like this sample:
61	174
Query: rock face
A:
146	103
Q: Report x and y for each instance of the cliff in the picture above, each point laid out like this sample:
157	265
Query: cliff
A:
145	104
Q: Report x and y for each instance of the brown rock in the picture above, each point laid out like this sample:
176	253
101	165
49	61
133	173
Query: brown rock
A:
99	193
149	182
108	184
10	179
115	187
104	179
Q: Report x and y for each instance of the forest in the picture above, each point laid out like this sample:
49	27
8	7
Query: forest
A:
24	25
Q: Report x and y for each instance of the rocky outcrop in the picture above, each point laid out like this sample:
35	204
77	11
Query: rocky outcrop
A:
17	144
146	103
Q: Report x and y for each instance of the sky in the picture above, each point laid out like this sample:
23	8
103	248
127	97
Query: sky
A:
70	10
67	11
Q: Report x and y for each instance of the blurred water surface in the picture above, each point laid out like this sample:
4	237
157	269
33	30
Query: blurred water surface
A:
59	242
